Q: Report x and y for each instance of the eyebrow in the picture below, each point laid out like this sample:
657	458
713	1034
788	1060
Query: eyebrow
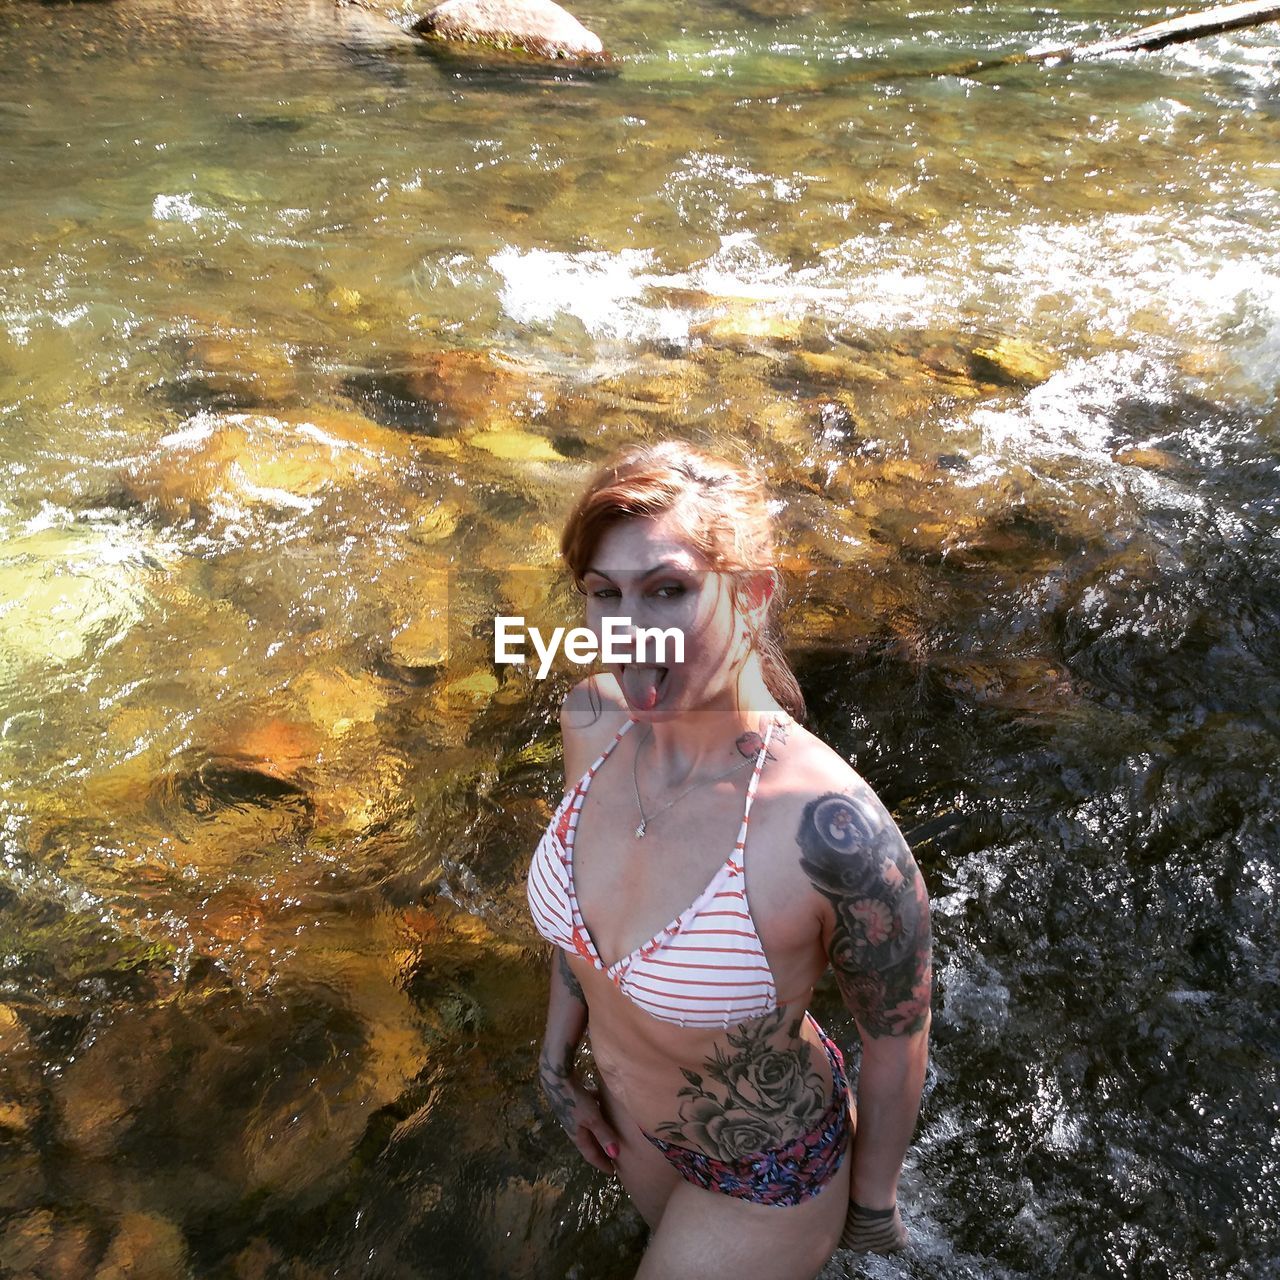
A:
667	566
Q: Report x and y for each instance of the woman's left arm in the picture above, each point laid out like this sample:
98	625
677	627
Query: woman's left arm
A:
876	932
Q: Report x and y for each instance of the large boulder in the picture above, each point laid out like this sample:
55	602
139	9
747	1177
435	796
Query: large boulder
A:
539	29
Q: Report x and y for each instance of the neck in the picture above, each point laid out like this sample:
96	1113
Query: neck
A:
711	738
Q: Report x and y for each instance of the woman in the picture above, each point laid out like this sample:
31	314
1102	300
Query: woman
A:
722	1105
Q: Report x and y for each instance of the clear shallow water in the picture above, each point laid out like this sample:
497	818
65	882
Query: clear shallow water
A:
304	349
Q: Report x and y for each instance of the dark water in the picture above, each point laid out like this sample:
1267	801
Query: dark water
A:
304	348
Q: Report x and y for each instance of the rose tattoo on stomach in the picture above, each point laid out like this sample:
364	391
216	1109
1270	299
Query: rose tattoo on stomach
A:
750	1095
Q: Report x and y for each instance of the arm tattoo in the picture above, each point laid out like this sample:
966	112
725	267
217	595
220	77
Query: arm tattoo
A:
555	1074
554	1080
554	1077
566	976
856	858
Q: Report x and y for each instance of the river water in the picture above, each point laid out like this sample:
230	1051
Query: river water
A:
304	348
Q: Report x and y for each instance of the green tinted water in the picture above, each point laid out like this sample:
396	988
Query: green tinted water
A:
304	350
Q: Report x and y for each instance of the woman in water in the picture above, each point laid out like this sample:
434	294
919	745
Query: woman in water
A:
693	949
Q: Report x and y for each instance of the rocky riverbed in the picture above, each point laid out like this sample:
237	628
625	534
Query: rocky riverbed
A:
304	349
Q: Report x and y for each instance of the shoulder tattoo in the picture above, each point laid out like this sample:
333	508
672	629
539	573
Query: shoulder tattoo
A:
749	743
880	948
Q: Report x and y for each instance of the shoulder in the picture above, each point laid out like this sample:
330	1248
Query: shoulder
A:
847	848
591	714
832	809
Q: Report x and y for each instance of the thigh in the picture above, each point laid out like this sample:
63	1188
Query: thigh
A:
716	1237
646	1176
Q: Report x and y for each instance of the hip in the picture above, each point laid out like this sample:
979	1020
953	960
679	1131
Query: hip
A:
784	1173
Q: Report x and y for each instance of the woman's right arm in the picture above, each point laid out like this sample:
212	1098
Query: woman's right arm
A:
574	1105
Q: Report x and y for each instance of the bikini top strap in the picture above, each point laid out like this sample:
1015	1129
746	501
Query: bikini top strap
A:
585	781
761	755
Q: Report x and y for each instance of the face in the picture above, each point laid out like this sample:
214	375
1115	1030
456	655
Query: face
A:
645	570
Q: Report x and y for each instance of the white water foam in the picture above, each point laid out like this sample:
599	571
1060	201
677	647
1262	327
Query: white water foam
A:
601	290
181	206
1198	281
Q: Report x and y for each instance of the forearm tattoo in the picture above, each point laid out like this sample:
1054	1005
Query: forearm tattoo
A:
854	856
554	1077
752	1098
555	1073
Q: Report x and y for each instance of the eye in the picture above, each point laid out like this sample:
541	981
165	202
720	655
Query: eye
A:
671	590
604	593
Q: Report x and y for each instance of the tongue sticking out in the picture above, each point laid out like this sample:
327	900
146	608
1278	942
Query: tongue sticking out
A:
641	685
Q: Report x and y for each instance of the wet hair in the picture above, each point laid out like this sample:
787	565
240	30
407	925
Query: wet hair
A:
723	507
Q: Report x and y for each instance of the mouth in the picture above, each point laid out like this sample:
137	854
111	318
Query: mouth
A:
643	684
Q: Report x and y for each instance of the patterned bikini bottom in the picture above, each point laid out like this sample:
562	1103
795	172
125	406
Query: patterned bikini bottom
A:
784	1175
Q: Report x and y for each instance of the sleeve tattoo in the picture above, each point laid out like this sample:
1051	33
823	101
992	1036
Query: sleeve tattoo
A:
880	948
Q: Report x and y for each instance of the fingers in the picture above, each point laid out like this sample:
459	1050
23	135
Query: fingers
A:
606	1139
591	1151
596	1138
579	1114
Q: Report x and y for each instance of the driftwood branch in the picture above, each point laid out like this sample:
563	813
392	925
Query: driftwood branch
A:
1190	27
1208	22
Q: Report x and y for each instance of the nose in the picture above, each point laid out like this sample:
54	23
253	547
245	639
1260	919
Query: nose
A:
636	609
624	628
631	611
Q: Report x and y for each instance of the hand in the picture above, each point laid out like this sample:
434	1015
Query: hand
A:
873	1230
578	1110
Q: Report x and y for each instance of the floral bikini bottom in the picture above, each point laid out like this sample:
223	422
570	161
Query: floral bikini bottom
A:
784	1175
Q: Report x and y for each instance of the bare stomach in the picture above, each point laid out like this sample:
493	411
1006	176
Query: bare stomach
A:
728	1093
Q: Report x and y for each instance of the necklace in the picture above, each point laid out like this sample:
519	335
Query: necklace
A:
645	819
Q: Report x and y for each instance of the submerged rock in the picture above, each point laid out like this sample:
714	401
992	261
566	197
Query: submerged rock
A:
514	445
65	588
1012	362
435	393
1149	459
146	1247
232	370
268	754
747	326
539	29
249	460
336	700
43	1244
456	704
421	638
103	1090
436	523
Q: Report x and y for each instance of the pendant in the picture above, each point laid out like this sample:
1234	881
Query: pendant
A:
640	830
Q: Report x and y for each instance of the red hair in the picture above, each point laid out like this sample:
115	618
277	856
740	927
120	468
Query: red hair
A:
724	510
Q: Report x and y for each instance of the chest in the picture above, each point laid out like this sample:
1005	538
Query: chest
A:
630	889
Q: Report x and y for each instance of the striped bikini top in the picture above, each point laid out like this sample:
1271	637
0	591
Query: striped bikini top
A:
707	968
